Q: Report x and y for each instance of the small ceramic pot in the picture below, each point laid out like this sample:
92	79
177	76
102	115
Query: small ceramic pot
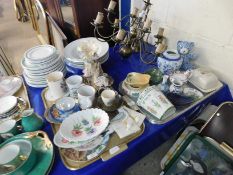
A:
156	76
31	121
108	96
73	83
86	96
169	62
56	84
9	128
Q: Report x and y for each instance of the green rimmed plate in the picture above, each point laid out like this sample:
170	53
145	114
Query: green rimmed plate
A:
44	148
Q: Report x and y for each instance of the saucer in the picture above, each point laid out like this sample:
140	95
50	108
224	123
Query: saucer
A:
180	100
49	96
58	115
117	103
14	114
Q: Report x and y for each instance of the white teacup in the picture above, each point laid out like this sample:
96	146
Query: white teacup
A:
108	96
56	84
73	83
86	96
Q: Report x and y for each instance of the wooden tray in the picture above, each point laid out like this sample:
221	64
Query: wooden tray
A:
114	140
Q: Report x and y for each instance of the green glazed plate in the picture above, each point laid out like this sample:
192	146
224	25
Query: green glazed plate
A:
43	147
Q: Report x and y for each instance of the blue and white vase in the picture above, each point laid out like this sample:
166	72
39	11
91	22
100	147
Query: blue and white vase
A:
169	62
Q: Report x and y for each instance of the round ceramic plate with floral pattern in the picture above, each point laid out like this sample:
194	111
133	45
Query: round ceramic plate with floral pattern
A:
81	146
84	125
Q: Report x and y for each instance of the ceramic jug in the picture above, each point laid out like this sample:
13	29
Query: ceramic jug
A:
31	121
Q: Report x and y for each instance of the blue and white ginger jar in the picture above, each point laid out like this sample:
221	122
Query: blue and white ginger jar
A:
169	62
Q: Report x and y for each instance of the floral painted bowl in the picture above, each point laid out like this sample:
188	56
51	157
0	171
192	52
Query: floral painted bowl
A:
84	125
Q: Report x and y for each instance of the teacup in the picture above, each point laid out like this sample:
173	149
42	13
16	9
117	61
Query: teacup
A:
73	83
86	96
9	128
108	96
65	104
56	84
31	121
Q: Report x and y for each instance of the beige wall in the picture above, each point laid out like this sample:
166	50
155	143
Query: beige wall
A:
209	23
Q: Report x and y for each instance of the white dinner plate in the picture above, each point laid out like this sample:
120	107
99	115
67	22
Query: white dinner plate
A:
84	125
71	52
37	67
44	72
41	52
9	85
7	103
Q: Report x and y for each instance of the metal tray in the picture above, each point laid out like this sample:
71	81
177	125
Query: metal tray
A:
114	141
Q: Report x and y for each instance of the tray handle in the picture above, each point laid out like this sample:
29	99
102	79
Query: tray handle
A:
227	148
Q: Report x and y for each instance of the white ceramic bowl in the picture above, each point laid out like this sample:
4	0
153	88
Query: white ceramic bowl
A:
84	125
71	53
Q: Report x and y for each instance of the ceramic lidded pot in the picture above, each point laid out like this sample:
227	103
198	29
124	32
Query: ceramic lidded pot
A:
169	62
31	121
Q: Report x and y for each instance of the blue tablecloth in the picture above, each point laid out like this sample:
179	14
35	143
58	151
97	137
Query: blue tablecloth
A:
153	136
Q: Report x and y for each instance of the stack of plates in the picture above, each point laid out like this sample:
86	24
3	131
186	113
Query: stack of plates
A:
11	107
84	131
74	58
38	62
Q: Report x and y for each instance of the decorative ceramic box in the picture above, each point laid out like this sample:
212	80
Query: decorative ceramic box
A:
169	62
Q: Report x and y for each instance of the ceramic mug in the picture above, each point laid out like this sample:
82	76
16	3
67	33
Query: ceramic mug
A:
86	96
73	83
108	96
9	128
31	121
56	84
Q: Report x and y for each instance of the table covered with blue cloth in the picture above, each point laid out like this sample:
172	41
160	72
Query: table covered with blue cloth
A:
153	136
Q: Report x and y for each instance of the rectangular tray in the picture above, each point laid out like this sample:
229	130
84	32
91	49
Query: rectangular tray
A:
114	140
153	120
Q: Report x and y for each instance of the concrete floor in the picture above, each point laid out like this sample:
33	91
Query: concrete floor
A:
150	164
17	37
